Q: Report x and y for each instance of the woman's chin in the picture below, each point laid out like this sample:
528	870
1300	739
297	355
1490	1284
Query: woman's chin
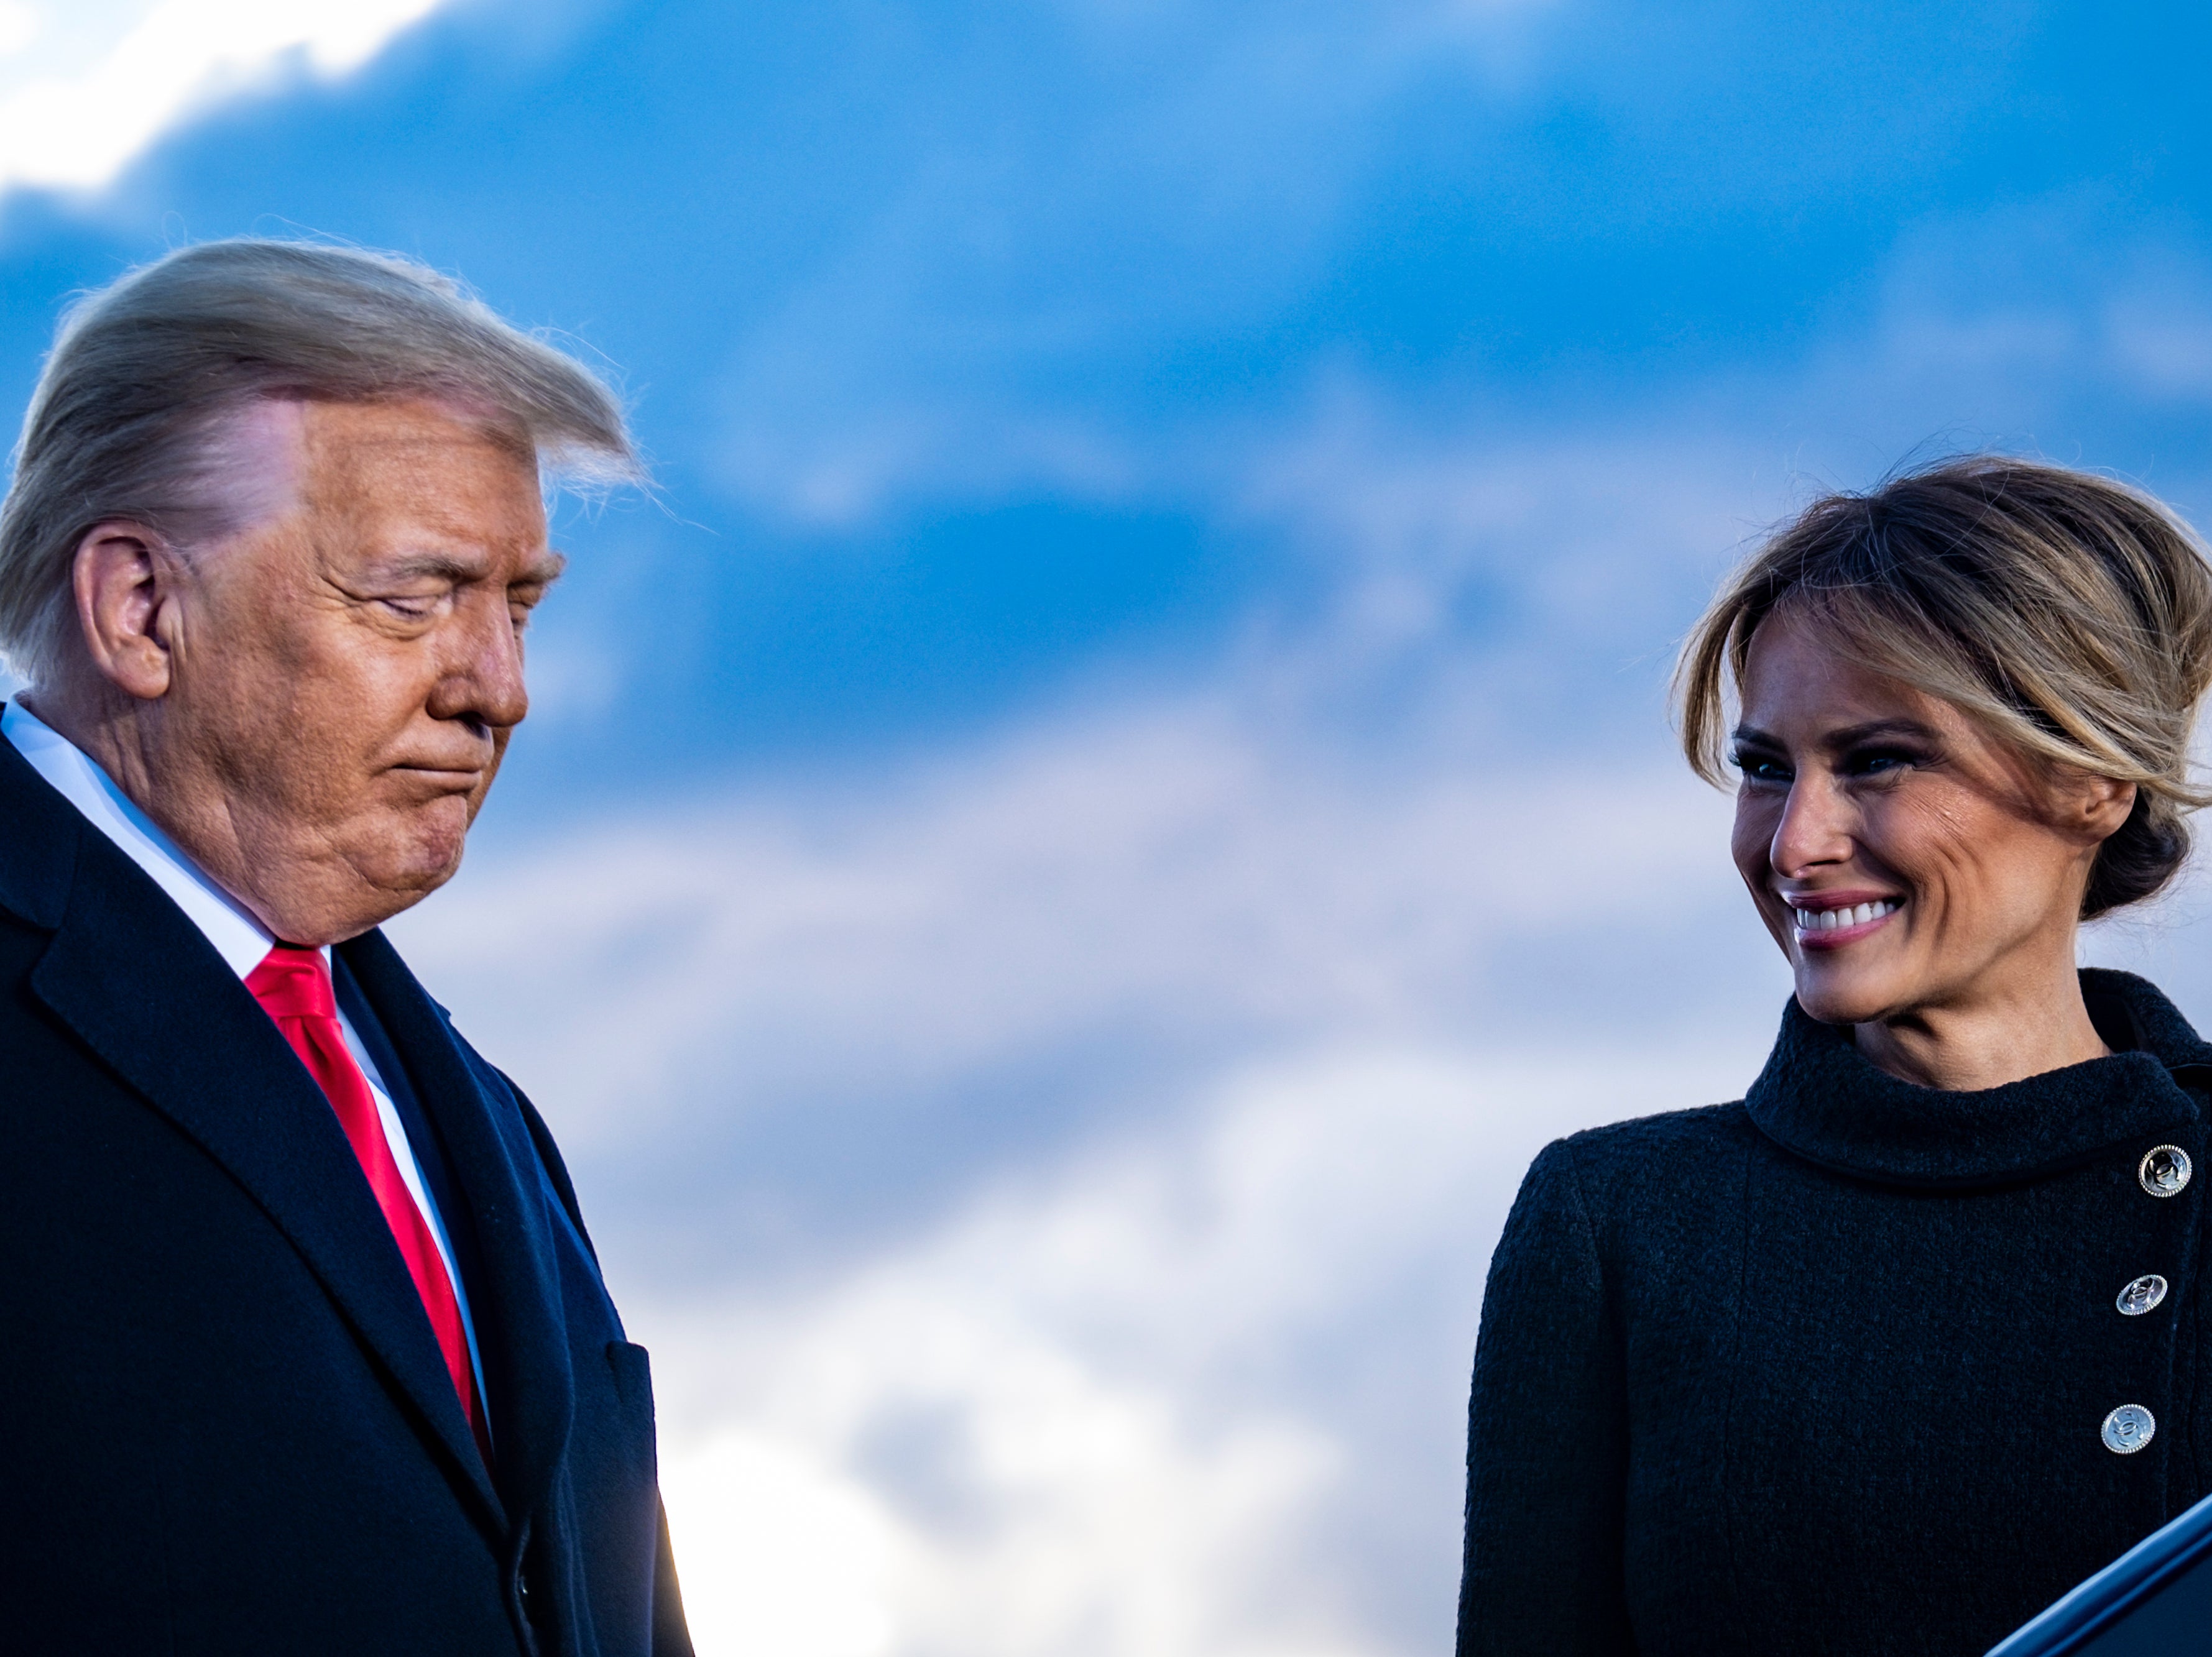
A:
1838	995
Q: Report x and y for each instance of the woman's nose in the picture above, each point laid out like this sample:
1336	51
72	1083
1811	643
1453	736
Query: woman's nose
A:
1815	828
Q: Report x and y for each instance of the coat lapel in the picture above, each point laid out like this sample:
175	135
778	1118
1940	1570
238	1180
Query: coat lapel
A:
517	1306
145	990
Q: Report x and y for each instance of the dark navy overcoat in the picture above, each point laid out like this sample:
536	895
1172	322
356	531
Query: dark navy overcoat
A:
225	1429
1829	1370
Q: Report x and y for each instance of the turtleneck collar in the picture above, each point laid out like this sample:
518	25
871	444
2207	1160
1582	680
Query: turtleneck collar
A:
1820	1099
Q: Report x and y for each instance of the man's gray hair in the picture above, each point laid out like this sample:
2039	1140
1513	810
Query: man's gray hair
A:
128	414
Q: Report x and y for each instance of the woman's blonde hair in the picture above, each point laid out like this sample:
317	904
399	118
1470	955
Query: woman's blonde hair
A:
2071	615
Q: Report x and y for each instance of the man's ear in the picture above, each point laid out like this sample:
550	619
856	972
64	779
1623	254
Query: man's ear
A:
124	580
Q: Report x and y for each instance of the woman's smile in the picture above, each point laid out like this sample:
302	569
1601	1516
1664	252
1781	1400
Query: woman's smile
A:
1829	920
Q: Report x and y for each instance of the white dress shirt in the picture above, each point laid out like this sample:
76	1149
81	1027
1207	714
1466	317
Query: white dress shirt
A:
240	939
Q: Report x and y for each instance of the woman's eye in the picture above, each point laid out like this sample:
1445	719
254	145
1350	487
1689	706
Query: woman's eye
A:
1879	762
1757	767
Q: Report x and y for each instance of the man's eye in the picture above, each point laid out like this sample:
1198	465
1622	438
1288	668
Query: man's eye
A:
413	607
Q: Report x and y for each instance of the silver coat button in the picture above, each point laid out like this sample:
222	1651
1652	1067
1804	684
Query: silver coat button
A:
2164	1170
2128	1429
2140	1295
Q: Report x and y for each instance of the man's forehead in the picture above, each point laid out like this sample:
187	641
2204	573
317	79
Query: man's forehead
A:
418	472
410	427
275	453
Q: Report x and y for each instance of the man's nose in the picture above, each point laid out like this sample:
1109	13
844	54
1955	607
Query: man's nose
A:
484	679
1815	828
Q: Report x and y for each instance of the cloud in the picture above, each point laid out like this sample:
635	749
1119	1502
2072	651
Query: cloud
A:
86	87
1164	876
1080	1418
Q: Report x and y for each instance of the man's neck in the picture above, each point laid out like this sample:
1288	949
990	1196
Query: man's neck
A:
108	740
236	932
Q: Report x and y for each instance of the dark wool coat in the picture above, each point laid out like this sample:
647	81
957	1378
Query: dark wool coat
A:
1826	1371
229	1430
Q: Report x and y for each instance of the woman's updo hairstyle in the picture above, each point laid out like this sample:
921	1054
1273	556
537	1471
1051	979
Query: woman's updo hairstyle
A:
2069	614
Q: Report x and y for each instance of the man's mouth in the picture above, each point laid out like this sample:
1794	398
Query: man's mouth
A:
453	779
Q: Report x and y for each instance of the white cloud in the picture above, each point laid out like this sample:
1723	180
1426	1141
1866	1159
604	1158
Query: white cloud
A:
780	1551
1172	872
1052	1430
86	87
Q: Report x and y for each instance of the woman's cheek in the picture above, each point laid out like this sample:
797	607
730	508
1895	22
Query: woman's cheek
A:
1756	818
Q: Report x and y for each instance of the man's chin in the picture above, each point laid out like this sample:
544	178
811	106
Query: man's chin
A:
418	850
410	882
385	885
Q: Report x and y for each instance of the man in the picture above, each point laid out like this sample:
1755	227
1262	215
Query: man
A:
308	1349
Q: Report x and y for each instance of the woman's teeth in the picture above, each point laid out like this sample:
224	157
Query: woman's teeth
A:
1827	921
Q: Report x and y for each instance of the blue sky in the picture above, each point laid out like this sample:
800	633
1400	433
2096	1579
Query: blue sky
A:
950	326
1119	788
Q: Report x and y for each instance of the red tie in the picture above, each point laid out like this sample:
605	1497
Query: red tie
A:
292	986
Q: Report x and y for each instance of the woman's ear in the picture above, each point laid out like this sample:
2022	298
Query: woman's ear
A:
2098	806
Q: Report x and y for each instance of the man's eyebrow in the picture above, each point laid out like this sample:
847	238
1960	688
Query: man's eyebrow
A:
446	566
457	567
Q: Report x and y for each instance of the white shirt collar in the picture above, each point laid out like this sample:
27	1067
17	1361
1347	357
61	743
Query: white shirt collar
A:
238	938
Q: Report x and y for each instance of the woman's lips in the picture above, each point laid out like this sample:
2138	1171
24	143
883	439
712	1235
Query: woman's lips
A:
1827	923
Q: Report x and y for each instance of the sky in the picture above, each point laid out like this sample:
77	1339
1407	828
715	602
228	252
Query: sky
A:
1117	787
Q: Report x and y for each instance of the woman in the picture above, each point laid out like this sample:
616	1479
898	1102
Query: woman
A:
1891	1353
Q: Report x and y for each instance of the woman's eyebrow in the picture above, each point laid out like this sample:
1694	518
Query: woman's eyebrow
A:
1851	735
